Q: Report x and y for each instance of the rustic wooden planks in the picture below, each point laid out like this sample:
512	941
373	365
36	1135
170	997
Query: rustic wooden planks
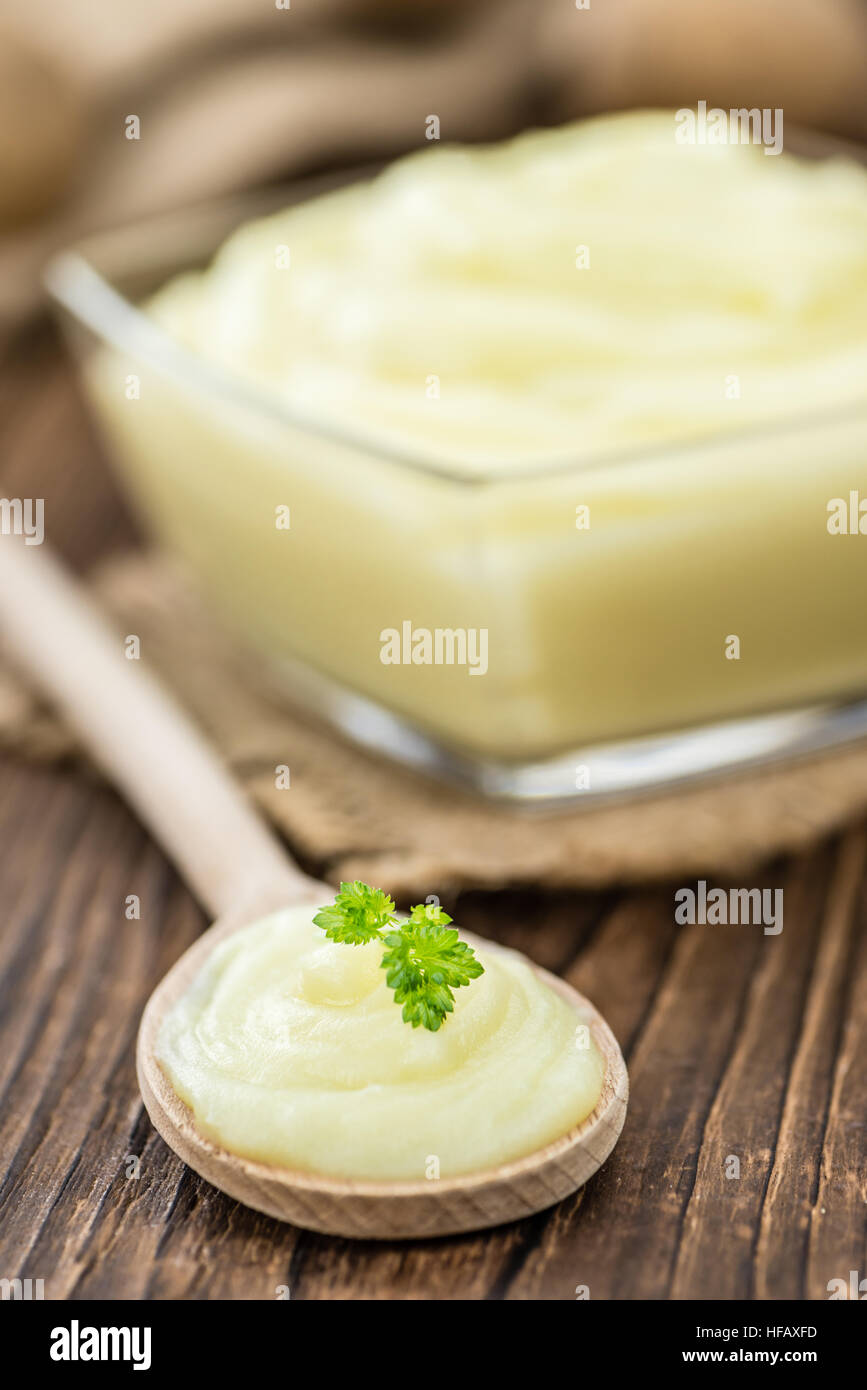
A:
738	1044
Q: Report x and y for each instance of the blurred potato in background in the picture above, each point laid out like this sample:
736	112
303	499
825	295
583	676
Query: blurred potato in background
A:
41	129
231	94
808	58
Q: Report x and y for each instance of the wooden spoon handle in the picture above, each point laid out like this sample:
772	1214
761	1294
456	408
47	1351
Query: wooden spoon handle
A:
140	738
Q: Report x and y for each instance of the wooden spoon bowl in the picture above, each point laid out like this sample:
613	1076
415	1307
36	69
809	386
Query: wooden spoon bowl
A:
393	1210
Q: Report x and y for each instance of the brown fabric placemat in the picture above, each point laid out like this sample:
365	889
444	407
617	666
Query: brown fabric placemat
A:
350	814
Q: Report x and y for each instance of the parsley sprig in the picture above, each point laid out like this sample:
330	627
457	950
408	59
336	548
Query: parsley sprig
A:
424	957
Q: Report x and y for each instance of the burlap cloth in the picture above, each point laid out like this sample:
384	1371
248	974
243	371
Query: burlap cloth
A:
348	814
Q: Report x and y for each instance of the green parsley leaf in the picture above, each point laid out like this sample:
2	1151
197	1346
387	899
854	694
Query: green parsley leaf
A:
358	914
424	957
426	961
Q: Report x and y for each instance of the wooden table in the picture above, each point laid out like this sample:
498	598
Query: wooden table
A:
740	1046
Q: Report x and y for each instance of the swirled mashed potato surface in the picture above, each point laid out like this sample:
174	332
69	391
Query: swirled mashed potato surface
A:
464	264
290	1049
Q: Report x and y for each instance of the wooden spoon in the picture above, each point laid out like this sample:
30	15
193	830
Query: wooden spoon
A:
238	869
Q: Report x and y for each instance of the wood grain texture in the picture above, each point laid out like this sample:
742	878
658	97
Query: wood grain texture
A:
737	1044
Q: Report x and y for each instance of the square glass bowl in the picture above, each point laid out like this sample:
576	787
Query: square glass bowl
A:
607	671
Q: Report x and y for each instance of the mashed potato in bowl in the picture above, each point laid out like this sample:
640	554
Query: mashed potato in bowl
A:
590	392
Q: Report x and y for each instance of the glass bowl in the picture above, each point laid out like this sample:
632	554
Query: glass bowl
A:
605	668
